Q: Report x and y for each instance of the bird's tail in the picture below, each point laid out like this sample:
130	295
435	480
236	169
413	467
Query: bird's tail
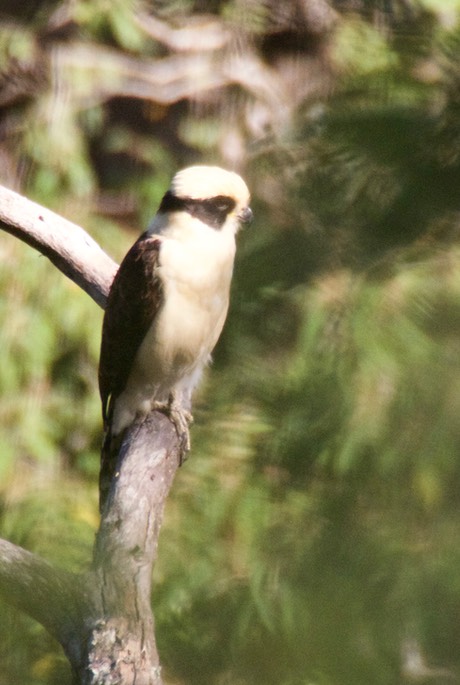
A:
109	459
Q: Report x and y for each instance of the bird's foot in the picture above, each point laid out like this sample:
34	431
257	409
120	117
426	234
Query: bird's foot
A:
181	418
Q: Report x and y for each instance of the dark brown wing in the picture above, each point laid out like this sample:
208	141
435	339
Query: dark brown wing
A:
135	297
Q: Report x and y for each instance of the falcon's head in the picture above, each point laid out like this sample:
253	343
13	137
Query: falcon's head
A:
216	197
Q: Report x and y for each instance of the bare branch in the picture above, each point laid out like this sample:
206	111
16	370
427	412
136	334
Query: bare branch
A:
66	245
55	598
197	34
102	618
126	550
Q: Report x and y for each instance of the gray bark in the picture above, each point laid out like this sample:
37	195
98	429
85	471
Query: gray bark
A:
67	246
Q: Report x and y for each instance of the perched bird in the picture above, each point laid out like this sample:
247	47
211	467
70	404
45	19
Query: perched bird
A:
168	303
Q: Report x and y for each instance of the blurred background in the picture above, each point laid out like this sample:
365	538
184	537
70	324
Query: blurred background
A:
312	536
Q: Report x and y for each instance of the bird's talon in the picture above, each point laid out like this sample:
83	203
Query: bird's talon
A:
181	418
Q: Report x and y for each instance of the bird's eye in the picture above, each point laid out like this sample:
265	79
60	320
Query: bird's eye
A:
223	204
212	211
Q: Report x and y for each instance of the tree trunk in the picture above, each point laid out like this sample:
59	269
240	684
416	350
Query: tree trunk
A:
103	618
122	641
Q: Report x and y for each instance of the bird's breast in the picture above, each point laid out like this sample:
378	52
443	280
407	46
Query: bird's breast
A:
196	287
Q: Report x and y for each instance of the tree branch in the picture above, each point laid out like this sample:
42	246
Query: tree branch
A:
55	598
66	245
125	551
103	618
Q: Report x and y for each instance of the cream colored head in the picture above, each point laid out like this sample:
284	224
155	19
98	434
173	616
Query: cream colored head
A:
205	182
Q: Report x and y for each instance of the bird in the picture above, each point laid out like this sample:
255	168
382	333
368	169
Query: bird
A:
167	305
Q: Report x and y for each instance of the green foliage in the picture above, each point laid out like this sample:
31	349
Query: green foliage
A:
311	537
332	541
111	21
48	385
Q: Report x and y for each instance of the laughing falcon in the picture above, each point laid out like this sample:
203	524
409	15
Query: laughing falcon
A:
168	301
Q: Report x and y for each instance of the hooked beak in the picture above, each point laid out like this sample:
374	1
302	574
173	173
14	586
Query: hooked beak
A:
245	216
